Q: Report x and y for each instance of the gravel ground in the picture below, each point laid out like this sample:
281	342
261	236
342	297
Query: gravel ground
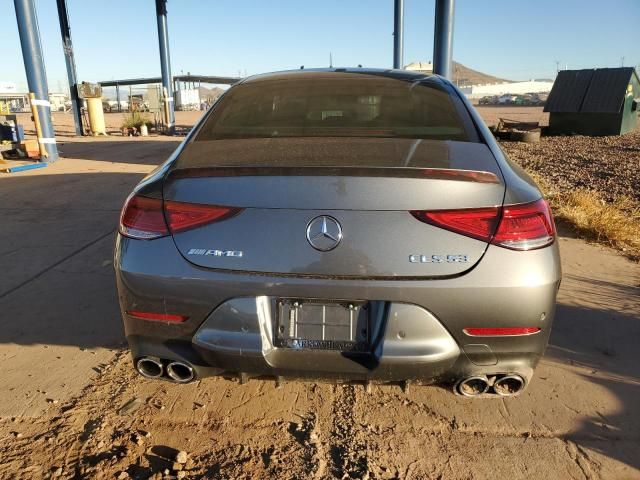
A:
609	165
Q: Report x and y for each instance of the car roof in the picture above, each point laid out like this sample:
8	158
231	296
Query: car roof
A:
404	75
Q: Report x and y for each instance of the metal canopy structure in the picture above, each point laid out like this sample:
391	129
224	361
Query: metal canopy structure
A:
398	33
176	78
65	31
165	66
34	63
36	77
443	38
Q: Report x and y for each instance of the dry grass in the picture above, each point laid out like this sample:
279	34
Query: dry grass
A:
615	223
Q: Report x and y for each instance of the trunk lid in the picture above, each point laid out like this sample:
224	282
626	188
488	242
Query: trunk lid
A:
367	185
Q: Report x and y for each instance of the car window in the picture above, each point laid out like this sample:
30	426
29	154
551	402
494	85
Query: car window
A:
333	105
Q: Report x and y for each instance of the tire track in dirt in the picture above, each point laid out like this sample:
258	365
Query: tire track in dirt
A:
348	449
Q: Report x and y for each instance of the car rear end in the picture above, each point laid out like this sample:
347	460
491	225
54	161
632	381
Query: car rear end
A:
347	225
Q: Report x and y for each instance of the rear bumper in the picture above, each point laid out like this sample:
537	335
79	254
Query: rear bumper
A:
231	317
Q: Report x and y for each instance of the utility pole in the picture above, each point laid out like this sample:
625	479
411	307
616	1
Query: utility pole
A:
398	33
165	65
443	38
36	75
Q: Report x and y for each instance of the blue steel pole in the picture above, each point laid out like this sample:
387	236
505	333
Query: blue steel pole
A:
165	61
36	76
65	31
398	33
443	38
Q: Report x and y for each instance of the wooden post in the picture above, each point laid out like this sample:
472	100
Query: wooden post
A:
36	120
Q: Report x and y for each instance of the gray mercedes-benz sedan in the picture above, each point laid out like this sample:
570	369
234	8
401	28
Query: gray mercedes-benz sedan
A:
356	225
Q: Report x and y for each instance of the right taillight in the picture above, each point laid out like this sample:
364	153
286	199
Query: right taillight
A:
525	226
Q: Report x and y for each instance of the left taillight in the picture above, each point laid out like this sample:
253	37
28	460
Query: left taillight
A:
147	218
184	216
143	218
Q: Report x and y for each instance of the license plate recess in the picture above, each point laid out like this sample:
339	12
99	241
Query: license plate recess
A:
322	325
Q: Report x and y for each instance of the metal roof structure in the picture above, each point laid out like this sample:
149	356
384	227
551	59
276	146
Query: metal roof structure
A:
176	78
599	90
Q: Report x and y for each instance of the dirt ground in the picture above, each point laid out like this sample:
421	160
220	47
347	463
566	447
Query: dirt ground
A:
63	122
493	113
72	407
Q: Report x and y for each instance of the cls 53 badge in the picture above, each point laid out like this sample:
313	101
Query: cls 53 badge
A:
459	258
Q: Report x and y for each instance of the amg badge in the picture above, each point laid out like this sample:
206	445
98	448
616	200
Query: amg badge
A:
215	253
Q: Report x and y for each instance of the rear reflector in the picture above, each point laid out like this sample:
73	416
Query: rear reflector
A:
143	218
518	227
183	216
500	331
160	317
147	218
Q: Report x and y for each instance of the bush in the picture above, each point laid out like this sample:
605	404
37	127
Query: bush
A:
136	119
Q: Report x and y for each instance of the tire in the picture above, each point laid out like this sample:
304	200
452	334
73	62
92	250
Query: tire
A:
532	136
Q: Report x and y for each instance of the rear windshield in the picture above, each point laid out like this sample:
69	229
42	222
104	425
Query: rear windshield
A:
338	105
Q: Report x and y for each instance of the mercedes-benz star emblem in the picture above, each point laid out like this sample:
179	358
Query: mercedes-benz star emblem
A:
324	233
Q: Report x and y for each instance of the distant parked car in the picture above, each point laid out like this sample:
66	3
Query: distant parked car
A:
523	100
489	100
507	99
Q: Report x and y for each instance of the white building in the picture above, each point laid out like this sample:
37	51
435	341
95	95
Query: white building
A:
422	67
58	101
515	88
15	101
187	99
478	91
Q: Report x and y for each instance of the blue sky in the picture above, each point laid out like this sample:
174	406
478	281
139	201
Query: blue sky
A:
516	39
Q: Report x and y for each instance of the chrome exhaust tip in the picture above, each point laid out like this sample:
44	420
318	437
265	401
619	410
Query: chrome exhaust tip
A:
180	372
473	386
508	385
149	367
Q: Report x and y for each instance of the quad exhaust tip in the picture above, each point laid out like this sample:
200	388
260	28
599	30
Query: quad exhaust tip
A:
502	385
180	372
150	367
508	385
473	386
153	367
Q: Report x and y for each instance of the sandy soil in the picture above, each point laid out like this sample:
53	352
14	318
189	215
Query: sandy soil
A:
72	406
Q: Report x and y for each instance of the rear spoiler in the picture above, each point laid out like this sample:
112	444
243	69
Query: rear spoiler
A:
475	176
